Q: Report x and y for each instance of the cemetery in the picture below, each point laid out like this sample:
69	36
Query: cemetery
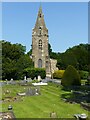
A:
40	100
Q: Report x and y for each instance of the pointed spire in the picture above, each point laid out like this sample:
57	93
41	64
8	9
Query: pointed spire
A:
40	18
40	11
40	8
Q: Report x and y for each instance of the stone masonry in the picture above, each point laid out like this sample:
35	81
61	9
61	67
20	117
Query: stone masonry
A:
40	37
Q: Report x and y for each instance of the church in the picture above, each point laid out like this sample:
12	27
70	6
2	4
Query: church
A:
40	40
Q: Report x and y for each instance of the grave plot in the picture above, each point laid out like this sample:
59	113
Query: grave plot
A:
31	91
16	95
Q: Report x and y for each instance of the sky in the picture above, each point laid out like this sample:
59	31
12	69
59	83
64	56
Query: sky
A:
67	23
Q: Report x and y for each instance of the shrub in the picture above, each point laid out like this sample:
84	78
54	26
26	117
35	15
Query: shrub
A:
71	77
58	74
34	72
83	74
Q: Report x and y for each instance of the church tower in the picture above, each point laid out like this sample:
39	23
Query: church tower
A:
40	55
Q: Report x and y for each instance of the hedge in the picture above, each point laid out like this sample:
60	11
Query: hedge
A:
58	74
71	77
35	72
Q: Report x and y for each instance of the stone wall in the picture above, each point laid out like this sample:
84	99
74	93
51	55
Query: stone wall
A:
53	65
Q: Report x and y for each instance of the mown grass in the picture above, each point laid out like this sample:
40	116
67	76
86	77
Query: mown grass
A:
41	106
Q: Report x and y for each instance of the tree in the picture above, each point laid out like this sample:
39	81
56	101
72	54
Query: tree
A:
81	54
9	69
24	62
49	49
14	61
30	52
71	77
76	56
12	51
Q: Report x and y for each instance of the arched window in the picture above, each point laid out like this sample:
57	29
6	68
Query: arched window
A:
40	63
40	44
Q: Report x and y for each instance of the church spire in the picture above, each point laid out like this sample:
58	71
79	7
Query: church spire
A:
40	18
40	9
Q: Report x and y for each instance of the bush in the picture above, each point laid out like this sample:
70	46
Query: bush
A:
58	74
71	77
83	74
34	72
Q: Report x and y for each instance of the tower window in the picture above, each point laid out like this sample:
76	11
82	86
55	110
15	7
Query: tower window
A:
40	44
40	15
40	30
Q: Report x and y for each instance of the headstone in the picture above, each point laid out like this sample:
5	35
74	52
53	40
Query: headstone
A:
35	78
53	115
11	79
25	78
29	79
6	81
30	92
36	91
33	91
39	77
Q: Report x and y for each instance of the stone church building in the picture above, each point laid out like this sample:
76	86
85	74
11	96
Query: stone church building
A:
40	39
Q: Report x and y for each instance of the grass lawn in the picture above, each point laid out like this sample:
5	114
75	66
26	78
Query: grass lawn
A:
41	106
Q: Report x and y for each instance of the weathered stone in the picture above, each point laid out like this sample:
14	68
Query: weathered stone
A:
40	38
53	65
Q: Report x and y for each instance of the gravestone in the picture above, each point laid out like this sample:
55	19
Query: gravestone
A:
53	115
25	78
33	91
29	80
39	77
30	92
23	82
11	79
35	78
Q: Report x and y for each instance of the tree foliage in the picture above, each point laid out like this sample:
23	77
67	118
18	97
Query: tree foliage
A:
71	77
13	51
77	56
83	74
23	63
14	61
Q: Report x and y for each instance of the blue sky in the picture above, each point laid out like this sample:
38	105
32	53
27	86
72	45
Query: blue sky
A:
67	23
